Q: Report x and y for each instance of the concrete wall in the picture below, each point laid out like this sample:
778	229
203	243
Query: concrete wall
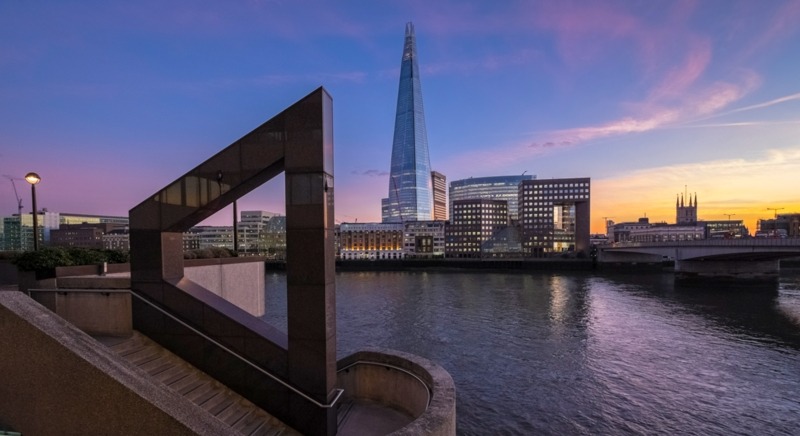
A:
385	376
627	257
57	380
95	313
241	283
8	272
728	269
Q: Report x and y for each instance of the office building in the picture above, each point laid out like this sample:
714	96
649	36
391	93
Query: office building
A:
554	215
489	188
210	236
424	239
663	232
785	225
255	232
273	238
621	232
410	189
472	224
79	218
724	229
117	240
82	235
18	230
371	241
439	183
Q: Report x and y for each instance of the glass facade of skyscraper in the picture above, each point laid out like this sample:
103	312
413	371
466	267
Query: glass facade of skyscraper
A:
410	191
489	188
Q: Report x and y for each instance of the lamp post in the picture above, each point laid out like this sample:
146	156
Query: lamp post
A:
33	179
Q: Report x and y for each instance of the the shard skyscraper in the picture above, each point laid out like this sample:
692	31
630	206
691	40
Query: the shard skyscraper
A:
410	189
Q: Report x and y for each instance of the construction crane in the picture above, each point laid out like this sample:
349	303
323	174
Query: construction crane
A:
776	209
19	200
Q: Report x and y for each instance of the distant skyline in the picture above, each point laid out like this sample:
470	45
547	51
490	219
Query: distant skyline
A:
109	101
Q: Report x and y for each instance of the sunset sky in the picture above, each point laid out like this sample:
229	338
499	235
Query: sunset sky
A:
109	101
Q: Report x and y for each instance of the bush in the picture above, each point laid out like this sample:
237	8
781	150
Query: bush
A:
81	256
46	258
209	253
51	257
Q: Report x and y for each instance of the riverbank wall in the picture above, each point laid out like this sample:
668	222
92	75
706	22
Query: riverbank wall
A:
475	265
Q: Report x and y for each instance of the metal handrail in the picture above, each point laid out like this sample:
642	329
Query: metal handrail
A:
397	368
285	384
745	242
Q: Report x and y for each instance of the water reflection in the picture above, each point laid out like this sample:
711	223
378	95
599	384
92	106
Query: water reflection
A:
764	310
579	353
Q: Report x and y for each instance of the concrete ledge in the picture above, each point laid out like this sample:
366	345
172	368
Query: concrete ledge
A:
406	382
58	380
94	282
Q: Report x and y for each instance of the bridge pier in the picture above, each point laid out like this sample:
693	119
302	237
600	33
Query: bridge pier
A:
738	269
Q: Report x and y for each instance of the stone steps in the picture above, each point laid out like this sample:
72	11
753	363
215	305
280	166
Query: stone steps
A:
170	370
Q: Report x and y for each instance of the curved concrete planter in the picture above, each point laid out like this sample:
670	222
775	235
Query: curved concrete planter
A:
405	382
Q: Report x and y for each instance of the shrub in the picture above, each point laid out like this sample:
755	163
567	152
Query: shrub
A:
51	257
209	253
46	258
81	256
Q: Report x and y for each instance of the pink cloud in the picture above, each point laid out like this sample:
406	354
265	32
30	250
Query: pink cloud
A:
680	77
690	106
783	22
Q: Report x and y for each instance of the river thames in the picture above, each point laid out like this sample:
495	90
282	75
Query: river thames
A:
583	353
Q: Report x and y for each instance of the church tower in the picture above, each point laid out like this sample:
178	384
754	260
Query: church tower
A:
686	214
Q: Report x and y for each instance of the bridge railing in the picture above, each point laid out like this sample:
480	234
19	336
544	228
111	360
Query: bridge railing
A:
748	242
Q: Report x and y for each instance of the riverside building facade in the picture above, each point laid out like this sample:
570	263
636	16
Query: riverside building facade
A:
371	241
424	239
439	183
410	187
554	215
474	223
504	188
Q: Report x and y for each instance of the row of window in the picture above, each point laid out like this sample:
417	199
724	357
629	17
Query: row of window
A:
551	197
556	185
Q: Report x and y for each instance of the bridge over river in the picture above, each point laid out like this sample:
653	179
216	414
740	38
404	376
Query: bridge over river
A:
739	258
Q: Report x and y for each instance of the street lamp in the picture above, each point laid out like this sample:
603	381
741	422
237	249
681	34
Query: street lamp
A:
33	179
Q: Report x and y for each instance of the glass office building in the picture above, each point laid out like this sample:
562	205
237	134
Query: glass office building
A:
410	190
489	188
